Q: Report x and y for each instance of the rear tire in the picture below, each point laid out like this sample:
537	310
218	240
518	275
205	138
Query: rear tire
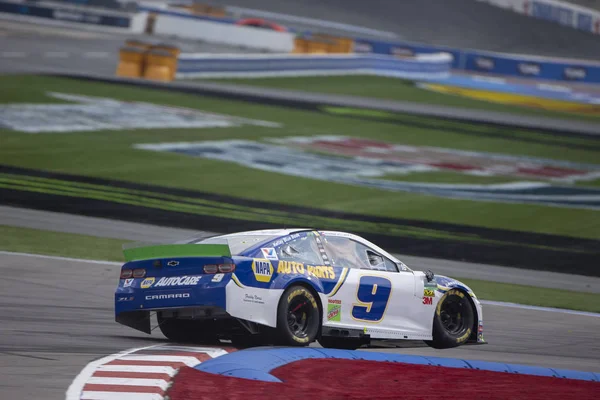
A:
333	342
453	320
298	317
187	330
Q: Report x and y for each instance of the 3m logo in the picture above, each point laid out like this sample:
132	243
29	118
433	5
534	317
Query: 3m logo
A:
428	301
263	270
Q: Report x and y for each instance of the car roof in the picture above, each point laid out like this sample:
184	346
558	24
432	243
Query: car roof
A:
268	232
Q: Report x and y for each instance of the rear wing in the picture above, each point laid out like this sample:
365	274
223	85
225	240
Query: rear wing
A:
148	252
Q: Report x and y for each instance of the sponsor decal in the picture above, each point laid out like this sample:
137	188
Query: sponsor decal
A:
529	69
428	292
362	47
318	271
402	52
334	310
128	282
365	162
87	113
178	281
269	253
430	284
575	73
286	239
480	337
173	263
146	283
217	278
480	328
484	63
125	298
168	296
263	270
428	301
253	298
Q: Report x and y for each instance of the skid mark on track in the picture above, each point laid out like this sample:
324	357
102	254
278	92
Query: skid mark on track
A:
143	373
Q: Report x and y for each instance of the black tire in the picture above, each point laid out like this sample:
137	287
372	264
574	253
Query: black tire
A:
298	317
186	330
333	342
453	320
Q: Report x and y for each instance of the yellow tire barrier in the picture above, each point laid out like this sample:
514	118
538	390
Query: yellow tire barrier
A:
160	66
131	62
150	61
321	44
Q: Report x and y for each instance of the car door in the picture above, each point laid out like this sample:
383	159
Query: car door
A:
376	297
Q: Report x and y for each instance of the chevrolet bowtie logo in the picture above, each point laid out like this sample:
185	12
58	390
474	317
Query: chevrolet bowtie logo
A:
173	263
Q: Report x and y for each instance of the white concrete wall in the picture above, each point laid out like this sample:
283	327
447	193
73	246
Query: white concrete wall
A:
222	33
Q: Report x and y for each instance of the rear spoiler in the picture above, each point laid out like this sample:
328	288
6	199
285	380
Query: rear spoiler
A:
146	252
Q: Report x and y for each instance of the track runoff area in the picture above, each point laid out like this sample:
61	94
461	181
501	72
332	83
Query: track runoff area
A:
80	327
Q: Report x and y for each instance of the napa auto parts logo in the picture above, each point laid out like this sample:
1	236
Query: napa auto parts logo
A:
372	163
87	113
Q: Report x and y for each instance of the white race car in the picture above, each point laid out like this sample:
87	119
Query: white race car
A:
292	287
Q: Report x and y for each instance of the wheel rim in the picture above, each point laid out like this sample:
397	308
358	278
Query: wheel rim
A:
298	316
451	314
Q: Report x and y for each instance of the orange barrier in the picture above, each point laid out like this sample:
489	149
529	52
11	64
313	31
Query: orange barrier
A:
150	61
321	43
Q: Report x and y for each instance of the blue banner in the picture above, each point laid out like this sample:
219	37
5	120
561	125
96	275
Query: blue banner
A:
66	14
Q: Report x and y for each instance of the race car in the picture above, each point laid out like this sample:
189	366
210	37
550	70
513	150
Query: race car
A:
291	287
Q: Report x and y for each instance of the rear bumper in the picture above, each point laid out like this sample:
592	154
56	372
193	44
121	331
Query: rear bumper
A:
133	304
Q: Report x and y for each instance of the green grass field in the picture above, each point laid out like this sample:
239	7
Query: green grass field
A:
109	154
95	248
393	89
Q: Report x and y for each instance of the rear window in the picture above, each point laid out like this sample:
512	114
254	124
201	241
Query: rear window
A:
238	244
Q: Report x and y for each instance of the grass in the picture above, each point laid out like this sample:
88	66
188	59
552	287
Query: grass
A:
109	154
394	89
35	241
534	296
26	240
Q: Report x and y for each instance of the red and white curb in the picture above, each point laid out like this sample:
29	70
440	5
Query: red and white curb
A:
143	373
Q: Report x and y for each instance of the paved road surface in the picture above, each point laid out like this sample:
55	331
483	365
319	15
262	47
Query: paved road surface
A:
60	222
57	315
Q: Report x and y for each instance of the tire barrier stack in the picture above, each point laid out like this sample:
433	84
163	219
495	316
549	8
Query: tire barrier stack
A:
149	61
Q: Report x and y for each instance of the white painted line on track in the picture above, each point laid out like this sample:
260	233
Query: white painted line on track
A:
100	380
56	54
12	54
75	389
150	369
96	54
189	361
11	253
89	395
538	308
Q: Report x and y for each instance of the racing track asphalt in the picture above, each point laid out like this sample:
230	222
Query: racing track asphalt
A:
57	315
101	227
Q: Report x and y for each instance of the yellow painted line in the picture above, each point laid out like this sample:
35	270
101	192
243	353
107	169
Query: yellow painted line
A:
518	99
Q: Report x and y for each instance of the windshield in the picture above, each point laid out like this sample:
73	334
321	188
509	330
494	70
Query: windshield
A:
237	243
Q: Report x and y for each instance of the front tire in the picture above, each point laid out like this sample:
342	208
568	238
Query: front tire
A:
298	317
453	320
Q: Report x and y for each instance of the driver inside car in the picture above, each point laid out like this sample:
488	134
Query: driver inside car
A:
346	253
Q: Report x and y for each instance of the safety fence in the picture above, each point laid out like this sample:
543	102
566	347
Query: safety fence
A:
560	12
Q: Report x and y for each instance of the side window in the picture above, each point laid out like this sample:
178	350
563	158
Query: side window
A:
303	249
345	252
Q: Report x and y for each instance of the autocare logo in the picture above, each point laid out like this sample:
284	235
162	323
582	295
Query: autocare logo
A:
263	270
168	296
178	281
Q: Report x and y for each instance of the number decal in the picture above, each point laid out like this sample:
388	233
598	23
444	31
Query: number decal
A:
373	295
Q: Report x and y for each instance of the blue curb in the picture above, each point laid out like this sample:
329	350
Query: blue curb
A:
258	362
